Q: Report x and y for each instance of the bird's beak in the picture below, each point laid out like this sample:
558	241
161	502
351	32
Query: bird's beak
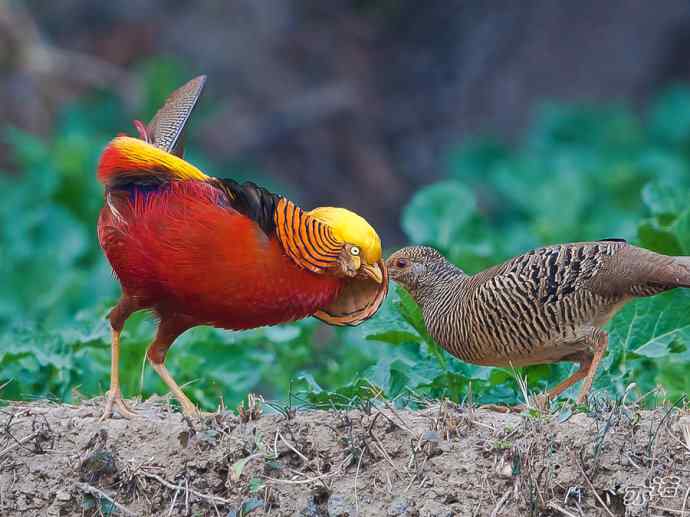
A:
373	271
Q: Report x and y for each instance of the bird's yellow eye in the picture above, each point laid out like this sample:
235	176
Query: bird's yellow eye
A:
354	250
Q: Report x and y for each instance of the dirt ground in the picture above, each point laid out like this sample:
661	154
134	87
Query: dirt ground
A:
444	460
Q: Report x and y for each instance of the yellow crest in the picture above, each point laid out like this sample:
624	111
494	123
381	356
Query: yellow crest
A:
351	228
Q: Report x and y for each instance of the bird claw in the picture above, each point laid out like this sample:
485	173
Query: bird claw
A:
115	400
191	411
503	409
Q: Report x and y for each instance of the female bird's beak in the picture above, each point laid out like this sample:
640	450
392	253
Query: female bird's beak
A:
373	271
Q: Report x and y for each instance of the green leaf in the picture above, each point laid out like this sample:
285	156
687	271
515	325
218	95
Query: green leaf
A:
256	485
658	239
238	467
436	214
665	198
394	337
681	228
250	505
654	327
311	382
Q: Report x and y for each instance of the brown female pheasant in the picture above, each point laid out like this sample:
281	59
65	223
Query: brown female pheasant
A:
545	306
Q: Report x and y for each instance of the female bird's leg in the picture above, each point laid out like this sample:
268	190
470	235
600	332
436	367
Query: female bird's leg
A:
167	333
585	360
542	401
117	319
601	342
597	341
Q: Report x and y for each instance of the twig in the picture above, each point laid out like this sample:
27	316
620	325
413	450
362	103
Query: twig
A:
591	486
186	495
99	493
19	443
500	503
402	424
600	441
558	508
293	449
212	498
664	509
685	502
359	462
377	441
652	438
301	481
383	452
172	504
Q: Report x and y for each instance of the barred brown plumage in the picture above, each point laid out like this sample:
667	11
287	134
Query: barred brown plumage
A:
547	305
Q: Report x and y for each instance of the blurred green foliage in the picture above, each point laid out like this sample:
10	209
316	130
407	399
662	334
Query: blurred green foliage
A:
581	173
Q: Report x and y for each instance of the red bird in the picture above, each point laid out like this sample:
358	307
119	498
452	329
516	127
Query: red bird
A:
198	250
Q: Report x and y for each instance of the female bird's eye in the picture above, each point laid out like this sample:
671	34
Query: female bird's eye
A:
354	251
401	263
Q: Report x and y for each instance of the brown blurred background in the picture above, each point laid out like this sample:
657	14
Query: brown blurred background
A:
353	101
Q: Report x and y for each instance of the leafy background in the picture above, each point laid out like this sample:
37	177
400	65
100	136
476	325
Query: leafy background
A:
579	172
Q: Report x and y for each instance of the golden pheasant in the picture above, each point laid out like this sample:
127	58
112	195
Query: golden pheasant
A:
545	306
197	250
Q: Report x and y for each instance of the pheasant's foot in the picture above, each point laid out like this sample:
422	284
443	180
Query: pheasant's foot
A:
498	408
191	411
115	400
189	408
539	402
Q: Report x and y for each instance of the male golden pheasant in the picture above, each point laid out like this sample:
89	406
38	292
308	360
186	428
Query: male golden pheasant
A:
198	250
545	306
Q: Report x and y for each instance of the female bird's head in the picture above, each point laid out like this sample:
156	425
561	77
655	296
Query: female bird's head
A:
419	267
361	252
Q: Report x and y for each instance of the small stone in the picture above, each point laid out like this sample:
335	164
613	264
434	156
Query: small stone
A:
431	436
399	506
63	496
339	506
311	510
96	465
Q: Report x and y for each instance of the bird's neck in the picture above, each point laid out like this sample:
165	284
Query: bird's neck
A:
445	279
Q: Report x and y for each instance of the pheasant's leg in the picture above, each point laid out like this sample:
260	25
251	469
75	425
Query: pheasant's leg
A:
188	407
600	345
585	360
117	319
114	393
167	332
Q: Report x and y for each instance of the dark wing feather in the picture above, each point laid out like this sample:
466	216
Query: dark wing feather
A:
254	201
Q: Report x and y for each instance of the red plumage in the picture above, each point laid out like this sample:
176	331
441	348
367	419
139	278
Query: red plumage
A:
181	249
